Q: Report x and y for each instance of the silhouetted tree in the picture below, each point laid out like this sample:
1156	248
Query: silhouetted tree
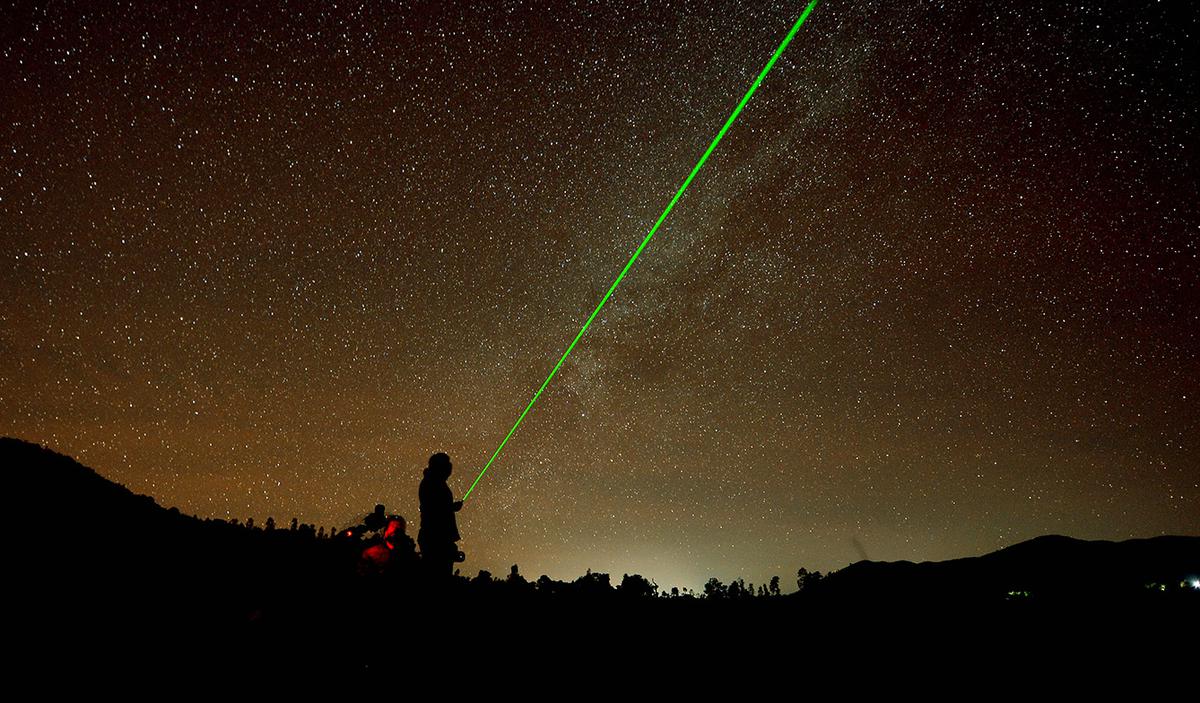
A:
715	589
806	579
592	585
270	524
774	587
637	586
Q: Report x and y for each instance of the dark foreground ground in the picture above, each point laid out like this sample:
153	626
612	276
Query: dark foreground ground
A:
107	581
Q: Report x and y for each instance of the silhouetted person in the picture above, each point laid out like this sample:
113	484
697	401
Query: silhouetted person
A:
396	536
392	552
439	529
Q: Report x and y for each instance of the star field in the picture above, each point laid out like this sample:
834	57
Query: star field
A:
936	292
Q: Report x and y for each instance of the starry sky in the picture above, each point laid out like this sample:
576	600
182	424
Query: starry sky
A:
935	293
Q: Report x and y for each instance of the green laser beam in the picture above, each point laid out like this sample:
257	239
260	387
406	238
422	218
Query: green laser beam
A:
787	40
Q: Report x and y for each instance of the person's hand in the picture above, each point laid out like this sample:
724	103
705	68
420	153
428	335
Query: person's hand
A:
457	505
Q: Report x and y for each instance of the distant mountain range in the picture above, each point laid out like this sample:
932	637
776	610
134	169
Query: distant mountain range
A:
1049	567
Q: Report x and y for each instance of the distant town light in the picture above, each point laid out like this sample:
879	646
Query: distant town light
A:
1195	583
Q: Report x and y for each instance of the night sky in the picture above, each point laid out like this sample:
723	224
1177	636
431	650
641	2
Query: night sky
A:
937	291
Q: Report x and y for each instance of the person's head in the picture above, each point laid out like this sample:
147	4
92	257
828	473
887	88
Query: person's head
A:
440	464
395	528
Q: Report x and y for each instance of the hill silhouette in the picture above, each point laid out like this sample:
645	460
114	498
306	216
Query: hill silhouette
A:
101	558
1052	567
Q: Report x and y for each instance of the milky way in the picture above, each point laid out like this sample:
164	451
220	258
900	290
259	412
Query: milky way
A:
936	292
